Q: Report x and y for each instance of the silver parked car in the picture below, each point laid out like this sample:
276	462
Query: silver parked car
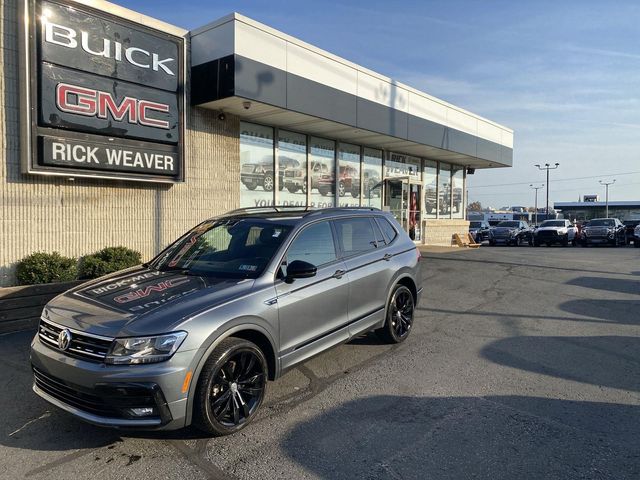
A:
193	336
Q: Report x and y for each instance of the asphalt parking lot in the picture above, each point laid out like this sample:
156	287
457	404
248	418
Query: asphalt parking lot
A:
523	363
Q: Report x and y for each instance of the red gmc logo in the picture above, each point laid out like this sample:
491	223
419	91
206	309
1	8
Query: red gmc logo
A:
96	103
145	292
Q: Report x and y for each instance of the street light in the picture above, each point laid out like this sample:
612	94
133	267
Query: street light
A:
536	207
547	167
606	184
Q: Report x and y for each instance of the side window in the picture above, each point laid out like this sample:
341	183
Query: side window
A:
387	229
355	235
314	245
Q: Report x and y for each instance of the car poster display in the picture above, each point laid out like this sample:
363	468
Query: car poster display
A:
430	179
292	165
457	181
322	172
257	179
349	175
372	178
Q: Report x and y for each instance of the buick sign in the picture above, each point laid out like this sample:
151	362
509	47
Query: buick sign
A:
105	95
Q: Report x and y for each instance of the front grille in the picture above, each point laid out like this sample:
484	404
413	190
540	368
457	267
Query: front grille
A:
547	233
83	345
504	234
105	400
71	395
596	232
289	173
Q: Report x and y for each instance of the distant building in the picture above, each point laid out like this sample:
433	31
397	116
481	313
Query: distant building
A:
589	209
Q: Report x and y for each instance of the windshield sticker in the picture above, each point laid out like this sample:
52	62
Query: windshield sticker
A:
184	250
248	268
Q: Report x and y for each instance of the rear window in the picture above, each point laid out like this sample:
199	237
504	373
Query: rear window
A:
387	229
355	235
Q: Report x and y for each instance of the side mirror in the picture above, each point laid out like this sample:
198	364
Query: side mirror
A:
299	269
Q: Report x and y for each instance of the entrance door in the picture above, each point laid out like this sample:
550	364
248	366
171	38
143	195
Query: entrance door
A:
404	201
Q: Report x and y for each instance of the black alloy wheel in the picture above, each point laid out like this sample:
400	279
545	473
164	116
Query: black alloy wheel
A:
231	387
400	310
341	189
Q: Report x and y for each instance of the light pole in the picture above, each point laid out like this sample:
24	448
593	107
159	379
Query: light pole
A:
536	207
548	167
606	184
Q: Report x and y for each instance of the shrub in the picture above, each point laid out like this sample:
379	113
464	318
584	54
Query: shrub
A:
107	260
43	267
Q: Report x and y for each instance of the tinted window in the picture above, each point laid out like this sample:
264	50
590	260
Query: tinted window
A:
475	225
314	245
509	224
387	229
553	223
355	235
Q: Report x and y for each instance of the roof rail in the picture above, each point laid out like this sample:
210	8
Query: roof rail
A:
277	208
342	209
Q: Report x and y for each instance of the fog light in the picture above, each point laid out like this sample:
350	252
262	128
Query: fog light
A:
142	411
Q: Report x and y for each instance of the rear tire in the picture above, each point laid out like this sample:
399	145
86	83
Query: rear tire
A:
231	387
399	316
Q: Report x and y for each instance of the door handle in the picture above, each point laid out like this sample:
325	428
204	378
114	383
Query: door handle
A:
338	274
387	257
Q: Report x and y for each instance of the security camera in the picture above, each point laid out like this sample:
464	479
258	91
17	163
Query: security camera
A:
222	116
246	105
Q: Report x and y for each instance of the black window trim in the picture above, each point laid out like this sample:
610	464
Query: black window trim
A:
378	219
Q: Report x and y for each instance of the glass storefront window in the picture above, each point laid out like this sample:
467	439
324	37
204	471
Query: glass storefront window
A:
292	165
372	178
257	180
430	179
349	175
457	192
322	172
444	191
400	165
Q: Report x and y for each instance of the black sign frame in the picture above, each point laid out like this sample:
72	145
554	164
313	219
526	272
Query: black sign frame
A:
34	133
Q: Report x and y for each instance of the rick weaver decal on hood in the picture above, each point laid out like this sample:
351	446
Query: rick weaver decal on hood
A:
143	290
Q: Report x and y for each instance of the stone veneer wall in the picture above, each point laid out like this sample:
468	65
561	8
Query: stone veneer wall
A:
78	217
441	231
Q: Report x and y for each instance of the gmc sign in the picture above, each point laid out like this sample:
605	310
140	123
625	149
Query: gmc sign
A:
107	94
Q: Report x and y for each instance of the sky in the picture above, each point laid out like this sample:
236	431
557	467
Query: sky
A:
564	75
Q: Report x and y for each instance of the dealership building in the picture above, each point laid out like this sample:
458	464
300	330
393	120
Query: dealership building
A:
120	129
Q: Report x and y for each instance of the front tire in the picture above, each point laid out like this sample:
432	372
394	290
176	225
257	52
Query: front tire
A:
231	387
400	311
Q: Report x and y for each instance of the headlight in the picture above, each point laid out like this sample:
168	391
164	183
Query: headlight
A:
153	349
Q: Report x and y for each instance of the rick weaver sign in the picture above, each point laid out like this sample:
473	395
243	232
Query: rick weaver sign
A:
105	95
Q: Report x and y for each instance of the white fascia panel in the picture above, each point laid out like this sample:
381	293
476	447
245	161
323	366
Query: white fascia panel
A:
261	46
507	138
383	92
318	68
462	121
427	108
211	44
490	132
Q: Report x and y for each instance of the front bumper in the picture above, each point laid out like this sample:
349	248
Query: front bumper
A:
104	394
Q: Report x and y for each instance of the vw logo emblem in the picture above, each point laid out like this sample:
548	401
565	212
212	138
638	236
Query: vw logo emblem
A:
64	339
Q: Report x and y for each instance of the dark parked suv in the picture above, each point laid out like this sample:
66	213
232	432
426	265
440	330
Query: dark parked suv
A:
194	335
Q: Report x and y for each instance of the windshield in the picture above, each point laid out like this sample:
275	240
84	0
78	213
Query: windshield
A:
509	224
603	222
236	248
552	223
475	225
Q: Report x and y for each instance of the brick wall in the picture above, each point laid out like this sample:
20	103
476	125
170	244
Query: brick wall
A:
77	217
441	231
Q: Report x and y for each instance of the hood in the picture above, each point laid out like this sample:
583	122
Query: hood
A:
551	228
139	301
504	229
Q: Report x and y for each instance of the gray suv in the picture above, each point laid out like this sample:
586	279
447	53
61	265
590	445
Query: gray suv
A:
193	336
